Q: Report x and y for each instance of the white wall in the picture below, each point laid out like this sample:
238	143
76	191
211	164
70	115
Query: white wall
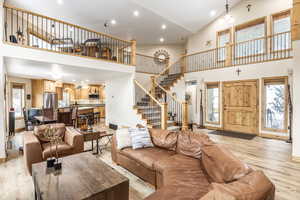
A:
260	8
175	51
2	82
254	71
2	109
120	96
27	82
144	80
296	100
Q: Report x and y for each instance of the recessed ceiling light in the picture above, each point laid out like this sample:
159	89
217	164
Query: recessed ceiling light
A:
87	80
136	13
161	39
163	26
113	22
74	80
213	13
60	2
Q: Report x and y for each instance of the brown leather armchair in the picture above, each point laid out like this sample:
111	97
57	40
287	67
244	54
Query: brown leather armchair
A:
36	151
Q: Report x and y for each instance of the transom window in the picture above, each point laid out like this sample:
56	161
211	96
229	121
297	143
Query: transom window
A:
281	24
250	38
223	37
212	103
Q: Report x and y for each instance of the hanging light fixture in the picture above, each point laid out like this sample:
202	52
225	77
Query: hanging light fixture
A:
228	19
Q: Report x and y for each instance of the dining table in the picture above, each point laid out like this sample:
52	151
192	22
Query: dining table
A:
44	120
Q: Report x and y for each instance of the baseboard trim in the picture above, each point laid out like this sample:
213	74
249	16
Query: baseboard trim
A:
18	130
296	159
2	160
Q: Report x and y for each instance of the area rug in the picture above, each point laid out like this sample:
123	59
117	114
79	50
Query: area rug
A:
233	134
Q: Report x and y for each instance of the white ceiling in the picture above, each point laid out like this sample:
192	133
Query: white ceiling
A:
182	17
41	70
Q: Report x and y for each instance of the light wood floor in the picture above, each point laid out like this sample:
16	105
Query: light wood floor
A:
271	156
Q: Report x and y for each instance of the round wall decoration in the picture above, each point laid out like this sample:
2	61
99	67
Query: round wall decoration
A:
161	56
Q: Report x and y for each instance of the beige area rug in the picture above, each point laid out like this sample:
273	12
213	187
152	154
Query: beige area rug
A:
16	184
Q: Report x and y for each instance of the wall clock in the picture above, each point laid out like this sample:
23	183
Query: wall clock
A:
161	56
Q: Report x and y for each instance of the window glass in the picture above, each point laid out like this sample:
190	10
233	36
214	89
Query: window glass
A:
18	101
250	40
275	106
282	38
223	39
213	104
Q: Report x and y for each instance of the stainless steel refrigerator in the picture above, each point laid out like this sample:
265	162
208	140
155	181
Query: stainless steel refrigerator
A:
50	100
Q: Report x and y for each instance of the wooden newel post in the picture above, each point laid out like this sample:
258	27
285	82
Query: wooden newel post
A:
185	116
164	116
133	52
228	61
296	20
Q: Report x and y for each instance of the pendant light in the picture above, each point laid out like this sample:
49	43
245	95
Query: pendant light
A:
228	19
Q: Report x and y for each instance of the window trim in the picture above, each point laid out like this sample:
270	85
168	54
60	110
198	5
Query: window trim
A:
23	85
225	31
282	79
218	84
279	15
219	33
261	20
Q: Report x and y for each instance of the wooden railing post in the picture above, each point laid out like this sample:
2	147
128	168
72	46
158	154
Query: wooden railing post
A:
228	61
133	52
152	90
164	116
183	63
185	116
167	66
296	20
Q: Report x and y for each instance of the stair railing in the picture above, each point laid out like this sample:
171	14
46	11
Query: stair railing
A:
155	112
177	110
149	64
31	30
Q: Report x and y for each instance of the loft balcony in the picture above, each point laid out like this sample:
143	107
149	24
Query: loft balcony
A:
31	30
265	49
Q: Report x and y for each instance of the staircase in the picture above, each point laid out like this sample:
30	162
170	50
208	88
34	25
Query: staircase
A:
151	111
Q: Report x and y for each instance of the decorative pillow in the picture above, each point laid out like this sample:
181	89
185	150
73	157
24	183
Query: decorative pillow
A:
254	186
123	138
191	144
39	131
164	138
221	165
140	138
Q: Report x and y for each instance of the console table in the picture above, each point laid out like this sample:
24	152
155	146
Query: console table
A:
83	176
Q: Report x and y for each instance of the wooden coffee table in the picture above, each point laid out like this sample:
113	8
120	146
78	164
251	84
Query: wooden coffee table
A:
83	176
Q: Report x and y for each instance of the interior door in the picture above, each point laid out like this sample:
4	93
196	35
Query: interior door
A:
240	106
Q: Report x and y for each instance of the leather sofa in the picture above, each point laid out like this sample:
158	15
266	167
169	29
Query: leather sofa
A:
177	167
36	151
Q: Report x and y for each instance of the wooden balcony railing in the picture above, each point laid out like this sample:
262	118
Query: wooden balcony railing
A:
28	29
149	64
270	48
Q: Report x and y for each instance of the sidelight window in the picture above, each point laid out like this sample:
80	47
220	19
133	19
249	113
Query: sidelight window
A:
275	104
212	103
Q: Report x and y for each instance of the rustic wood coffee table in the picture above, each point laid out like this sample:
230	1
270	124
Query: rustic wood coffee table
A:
83	176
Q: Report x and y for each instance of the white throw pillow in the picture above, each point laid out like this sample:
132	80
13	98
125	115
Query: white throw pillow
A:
123	138
140	138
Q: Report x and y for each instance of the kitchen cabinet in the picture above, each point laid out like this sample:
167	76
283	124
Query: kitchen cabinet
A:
49	86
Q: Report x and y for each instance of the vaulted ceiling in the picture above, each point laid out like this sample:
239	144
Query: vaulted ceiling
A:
181	17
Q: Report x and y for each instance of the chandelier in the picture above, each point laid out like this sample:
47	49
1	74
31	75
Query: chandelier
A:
227	19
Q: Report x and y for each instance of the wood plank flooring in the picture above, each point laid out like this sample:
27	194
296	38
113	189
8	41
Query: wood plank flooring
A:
271	156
